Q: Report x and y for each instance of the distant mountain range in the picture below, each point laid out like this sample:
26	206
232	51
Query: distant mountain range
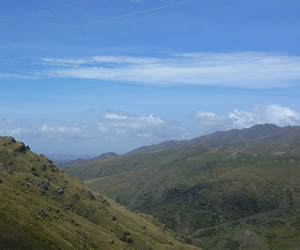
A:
43	208
258	134
236	189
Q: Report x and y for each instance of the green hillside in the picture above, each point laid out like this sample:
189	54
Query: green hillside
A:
230	197
41	207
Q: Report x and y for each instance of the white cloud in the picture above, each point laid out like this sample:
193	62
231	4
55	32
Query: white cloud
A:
19	76
122	131
137	1
122	128
59	129
65	132
276	114
240	69
18	131
115	116
127	125
210	119
257	70
108	60
145	135
9	127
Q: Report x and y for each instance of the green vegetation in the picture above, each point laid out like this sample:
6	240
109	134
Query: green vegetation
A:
244	196
41	207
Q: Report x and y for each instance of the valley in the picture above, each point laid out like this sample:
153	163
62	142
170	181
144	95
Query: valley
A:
213	196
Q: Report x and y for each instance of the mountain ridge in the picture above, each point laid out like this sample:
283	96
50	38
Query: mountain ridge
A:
257	134
213	195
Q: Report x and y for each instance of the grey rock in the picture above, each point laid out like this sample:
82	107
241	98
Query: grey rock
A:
59	191
90	194
35	174
43	167
4	166
21	149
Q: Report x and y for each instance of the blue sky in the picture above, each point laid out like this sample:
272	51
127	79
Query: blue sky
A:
90	76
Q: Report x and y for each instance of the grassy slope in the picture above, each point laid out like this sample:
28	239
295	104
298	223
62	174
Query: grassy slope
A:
199	187
277	229
43	208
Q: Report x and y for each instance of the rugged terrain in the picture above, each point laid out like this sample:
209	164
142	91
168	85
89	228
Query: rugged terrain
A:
245	195
41	207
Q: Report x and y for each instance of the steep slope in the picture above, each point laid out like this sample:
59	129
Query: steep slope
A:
41	207
199	187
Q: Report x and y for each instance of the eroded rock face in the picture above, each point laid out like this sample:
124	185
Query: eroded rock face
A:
43	167
90	194
21	149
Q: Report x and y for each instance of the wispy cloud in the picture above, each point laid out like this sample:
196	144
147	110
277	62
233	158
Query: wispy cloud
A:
276	114
19	76
106	60
255	70
241	70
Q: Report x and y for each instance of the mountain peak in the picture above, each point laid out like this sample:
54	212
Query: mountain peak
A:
107	155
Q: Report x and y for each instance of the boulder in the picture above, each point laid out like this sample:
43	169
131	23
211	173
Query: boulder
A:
3	165
43	167
90	194
35	174
54	168
59	191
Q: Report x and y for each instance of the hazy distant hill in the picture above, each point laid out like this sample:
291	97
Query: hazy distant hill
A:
41	207
258	134
105	156
243	196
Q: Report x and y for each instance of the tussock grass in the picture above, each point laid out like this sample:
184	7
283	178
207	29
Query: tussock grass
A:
41	207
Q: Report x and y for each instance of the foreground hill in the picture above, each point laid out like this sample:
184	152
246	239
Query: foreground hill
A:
229	197
41	207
